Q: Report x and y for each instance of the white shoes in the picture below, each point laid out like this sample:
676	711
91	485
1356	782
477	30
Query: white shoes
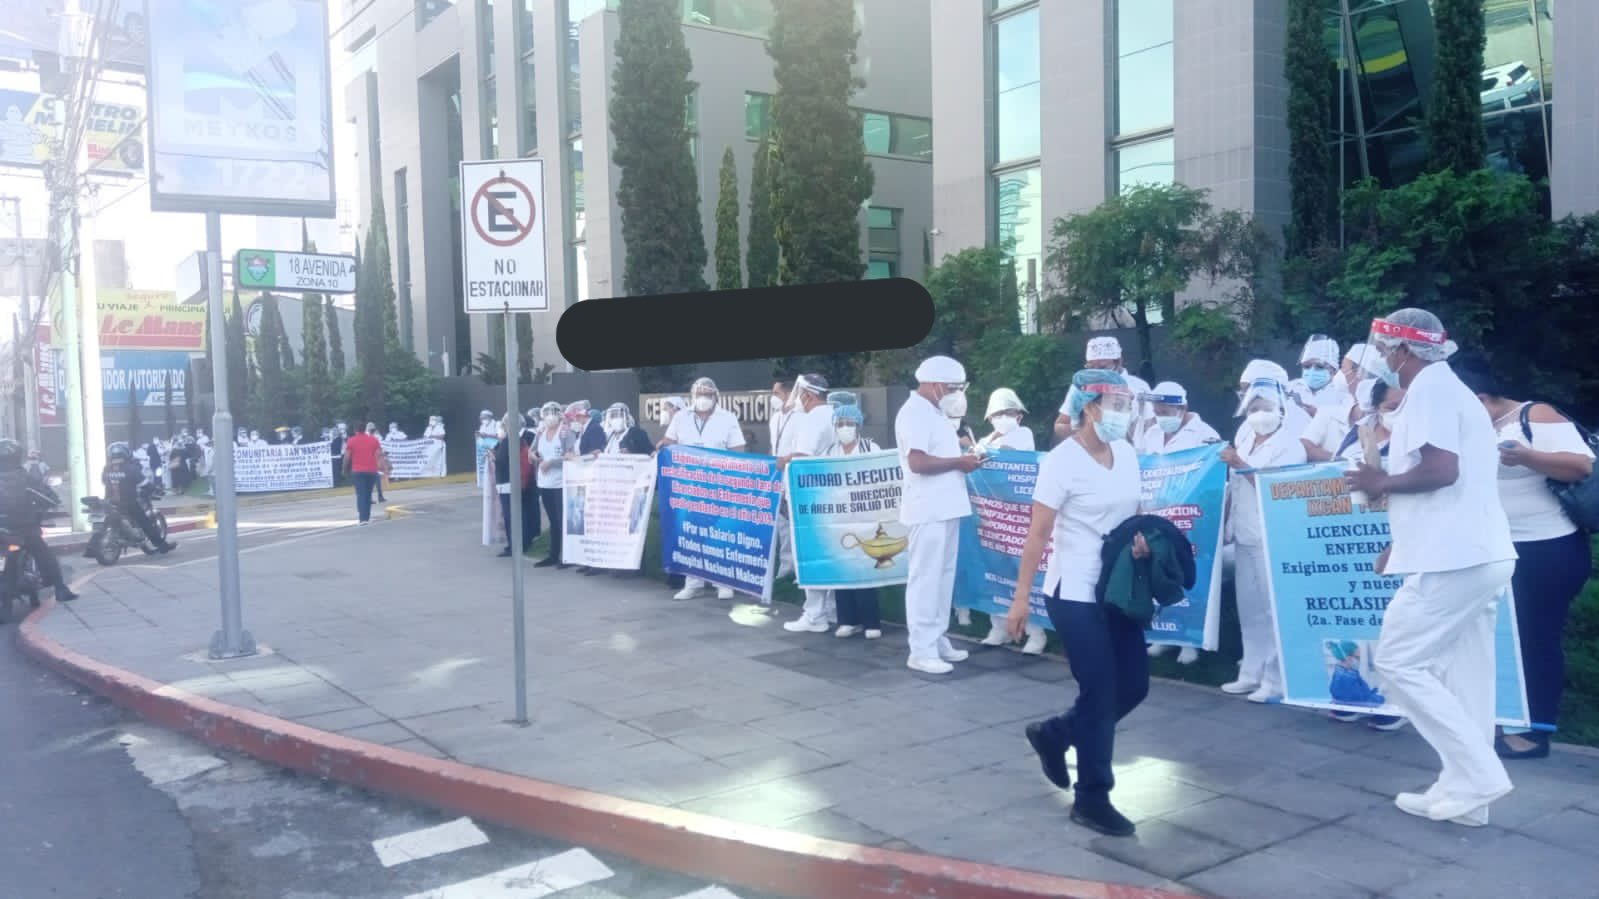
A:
724	593
929	666
804	625
1036	641
1465	812
686	593
1156	650
846	630
954	655
997	636
1188	656
1265	695
873	633
963	617
1240	687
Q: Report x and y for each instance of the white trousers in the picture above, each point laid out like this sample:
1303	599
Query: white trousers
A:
1257	621
930	587
1436	660
785	549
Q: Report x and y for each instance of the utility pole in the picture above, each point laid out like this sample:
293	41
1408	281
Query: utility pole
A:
27	331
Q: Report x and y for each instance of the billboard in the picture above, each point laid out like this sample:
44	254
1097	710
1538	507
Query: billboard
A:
241	110
35	27
30	121
149	320
143	375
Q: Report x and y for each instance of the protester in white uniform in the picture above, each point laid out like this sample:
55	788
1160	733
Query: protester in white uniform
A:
809	433
1105	354
395	434
1452	546
779	412
1177	428
858	611
1004	415
932	504
435	428
1353	369
705	424
1087	487
1319	385
1263	441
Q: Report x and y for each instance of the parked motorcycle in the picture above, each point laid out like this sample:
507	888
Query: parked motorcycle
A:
111	533
19	578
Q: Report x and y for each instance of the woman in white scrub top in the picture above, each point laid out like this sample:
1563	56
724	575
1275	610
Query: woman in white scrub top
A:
1263	441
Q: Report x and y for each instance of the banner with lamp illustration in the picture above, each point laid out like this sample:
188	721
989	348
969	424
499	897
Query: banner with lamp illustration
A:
844	515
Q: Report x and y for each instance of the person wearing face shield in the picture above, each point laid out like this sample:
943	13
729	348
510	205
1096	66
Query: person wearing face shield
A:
1319	385
1004	414
809	433
1176	427
777	413
858	610
1105	354
1452	545
705	423
1087	486
1352	370
1263	441
589	424
933	502
553	442
516	445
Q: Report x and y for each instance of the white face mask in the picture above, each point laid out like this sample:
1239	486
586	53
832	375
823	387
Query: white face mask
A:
1388	419
551	421
1265	421
846	434
1170	424
778	405
953	404
704	403
665	418
1004	424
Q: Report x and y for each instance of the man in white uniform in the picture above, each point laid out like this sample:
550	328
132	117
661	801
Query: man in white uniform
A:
809	432
705	423
1451	543
1106	353
932	505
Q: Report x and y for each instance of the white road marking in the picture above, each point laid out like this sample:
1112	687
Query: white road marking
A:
710	893
544	877
458	834
165	758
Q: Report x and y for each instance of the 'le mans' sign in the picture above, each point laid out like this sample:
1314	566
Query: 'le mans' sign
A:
279	270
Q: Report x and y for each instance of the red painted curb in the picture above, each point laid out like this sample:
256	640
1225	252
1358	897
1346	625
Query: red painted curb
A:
81	545
698	845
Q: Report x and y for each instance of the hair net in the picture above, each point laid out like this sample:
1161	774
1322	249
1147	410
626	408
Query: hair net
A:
1103	349
1418	331
1089	385
849	412
705	384
842	398
1263	368
1168	393
1344	649
1320	349
1003	400
550	408
940	370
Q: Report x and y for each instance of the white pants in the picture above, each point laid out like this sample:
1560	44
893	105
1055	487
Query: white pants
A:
1436	660
785	549
820	606
930	587
1257	621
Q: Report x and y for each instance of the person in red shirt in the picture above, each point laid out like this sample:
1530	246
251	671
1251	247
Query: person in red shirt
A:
363	461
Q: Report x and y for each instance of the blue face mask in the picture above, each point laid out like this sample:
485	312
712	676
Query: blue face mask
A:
1317	378
1112	425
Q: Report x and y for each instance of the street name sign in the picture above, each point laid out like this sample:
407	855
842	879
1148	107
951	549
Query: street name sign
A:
281	270
502	234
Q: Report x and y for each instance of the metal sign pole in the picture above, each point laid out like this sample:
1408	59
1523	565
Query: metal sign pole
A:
232	641
514	526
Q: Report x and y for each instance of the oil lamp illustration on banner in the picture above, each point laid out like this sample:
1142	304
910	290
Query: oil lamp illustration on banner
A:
879	546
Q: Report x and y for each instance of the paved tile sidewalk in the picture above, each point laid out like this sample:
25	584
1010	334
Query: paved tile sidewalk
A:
400	634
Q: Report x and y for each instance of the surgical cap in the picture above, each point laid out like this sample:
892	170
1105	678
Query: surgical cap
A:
486	414
1104	349
1323	349
1363	395
1263	368
550	408
1426	338
940	370
704	384
1088	385
849	412
1004	400
1343	649
1356	353
842	398
1168	393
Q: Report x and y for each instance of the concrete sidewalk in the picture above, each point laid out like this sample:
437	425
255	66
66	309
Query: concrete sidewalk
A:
399	634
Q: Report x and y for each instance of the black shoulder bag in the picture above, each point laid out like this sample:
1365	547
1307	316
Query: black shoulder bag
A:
1580	500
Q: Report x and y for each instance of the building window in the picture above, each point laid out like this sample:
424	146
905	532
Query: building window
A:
580	270
575	150
691	124
882	133
1151	162
1016	78
751	16
524	25
883	241
574	74
1020	232
530	114
1145	83
364	58
402	253
491	119
757	115
428	10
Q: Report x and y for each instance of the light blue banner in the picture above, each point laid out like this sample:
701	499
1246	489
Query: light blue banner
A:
1189	489
845	518
992	537
1322	549
719	516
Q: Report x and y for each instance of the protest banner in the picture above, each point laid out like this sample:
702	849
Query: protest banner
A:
607	511
1189	489
264	469
1321	550
411	460
719	517
485	451
844	518
991	538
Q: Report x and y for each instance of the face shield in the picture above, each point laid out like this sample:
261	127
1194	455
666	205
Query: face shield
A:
1417	331
1258	370
1265	405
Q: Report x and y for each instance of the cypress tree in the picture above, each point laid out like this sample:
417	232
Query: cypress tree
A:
335	337
524	347
269	361
241	388
370	332
1311	73
762	251
729	268
659	191
318	407
1456	140
384	297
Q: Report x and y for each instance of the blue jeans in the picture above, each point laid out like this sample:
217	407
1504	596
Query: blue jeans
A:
364	482
1549	575
1111	666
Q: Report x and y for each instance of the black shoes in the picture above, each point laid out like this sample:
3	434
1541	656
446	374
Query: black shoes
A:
1051	758
65	594
505	553
545	563
1102	817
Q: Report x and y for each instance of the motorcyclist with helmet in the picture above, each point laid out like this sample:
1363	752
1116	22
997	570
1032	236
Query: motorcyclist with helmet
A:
25	498
122	479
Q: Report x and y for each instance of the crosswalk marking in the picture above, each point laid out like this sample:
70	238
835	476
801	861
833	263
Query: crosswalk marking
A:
710	893
458	834
535	880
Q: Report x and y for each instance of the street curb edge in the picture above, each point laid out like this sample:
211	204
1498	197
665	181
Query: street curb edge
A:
698	845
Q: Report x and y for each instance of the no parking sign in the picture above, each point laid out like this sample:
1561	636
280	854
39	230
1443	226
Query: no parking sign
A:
502	235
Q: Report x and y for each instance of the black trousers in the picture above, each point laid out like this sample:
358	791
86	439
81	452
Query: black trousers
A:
552	500
134	513
1549	575
858	608
44	558
1110	663
530	518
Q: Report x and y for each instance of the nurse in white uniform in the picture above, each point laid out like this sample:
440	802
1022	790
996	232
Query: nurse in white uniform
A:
809	433
1263	441
704	423
1176	429
932	505
1105	354
1005	413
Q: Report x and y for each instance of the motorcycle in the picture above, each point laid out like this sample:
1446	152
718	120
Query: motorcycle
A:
111	532
20	580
